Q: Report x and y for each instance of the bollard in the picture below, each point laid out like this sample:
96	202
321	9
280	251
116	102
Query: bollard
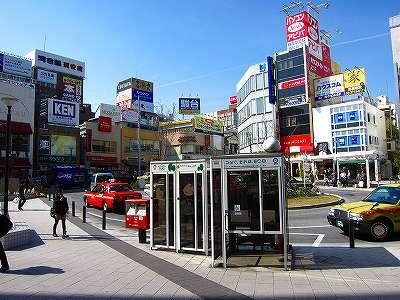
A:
73	208
104	219
142	236
351	232
84	214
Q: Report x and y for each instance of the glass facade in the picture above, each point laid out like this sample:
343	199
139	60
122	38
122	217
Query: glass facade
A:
146	146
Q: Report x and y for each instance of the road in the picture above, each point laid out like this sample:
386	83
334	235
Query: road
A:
306	226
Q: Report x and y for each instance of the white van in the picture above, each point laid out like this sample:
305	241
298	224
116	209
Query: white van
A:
100	177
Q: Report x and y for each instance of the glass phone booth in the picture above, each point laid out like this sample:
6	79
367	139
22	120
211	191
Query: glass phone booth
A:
178	207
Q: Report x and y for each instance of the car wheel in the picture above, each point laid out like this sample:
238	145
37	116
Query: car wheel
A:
380	230
105	205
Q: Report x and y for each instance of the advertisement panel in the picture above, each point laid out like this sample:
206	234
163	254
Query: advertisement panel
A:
300	30
129	115
354	140
144	98
232	100
72	89
291	83
271	81
317	66
329	87
341	141
124	85
142	85
208	126
292	101
297	143
190	106
46	76
105	124
111	111
63	145
22	111
354	81
124	98
62	112
15	65
57	63
315	49
44	145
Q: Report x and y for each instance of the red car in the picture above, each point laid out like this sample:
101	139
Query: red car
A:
110	195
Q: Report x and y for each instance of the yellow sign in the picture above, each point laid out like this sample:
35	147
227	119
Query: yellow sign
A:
354	81
208	126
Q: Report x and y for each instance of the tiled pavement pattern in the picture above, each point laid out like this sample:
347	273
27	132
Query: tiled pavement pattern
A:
83	266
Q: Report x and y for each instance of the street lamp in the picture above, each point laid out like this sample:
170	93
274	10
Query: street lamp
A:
8	101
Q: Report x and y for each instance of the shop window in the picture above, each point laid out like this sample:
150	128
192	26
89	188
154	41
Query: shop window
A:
104	146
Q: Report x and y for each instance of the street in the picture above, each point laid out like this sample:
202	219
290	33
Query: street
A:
307	227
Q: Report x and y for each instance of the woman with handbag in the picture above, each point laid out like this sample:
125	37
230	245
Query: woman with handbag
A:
59	211
5	227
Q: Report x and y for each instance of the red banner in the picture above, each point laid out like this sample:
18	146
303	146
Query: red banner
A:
88	140
297	143
321	68
291	83
233	100
108	159
105	124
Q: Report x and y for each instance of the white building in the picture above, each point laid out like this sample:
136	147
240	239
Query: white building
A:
394	25
256	108
390	111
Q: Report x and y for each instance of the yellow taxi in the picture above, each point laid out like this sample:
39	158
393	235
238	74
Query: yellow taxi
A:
377	216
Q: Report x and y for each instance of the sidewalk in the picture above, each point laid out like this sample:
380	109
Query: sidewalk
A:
98	265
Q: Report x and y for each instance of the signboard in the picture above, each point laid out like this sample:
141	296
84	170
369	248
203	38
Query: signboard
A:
105	124
321	67
341	141
271	81
109	159
124	98
315	49
57	63
292	101
44	145
15	65
124	85
208	126
72	89
62	112
300	29
88	140
354	140
352	116
339	118
111	111
129	115
291	83
232	100
264	162
46	76
329	87
63	145
297	143
190	106
354	81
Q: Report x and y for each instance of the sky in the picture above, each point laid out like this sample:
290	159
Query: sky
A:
190	48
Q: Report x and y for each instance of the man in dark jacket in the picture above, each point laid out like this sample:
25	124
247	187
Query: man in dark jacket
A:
60	206
3	258
21	195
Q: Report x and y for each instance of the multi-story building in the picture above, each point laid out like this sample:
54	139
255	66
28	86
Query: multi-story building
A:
256	107
394	25
16	82
390	111
229	118
58	99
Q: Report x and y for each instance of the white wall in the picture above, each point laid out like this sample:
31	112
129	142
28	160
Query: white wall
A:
322	126
378	129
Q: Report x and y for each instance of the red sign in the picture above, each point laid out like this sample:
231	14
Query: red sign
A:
88	140
291	83
297	143
318	67
233	100
300	28
105	124
108	159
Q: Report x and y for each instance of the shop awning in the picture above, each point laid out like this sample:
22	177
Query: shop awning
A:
16	127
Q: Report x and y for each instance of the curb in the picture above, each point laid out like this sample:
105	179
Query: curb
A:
339	201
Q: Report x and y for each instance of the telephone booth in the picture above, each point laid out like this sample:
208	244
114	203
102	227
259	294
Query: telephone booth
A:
178	208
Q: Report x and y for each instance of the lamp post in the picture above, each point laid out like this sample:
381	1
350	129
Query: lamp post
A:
9	102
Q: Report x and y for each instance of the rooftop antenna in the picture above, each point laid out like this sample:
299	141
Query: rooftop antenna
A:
328	36
287	8
44	44
317	7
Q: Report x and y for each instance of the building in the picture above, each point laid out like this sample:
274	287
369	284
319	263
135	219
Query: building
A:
194	138
390	111
58	100
229	118
351	134
256	107
394	25
16	81
101	141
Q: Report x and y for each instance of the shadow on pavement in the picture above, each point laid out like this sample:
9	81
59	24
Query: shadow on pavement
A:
312	258
38	270
36	241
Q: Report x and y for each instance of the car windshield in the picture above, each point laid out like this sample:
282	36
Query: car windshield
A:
119	188
384	194
102	178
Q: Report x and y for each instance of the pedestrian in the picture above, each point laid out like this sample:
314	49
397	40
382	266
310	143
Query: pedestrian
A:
21	195
60	209
5	226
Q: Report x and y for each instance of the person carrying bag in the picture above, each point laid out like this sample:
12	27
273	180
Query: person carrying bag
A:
59	212
5	227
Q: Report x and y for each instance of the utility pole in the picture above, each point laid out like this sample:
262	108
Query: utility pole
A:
138	138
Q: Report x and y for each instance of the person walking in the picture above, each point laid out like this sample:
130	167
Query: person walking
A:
5	226
21	195
60	207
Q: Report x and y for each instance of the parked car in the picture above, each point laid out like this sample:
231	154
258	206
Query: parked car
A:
377	216
110	195
100	177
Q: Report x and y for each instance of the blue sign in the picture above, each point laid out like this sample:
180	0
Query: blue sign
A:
352	116
63	109
142	96
354	140
263	68
341	141
340	118
271	81
189	106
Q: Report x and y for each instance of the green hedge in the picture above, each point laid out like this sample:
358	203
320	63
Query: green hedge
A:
294	191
